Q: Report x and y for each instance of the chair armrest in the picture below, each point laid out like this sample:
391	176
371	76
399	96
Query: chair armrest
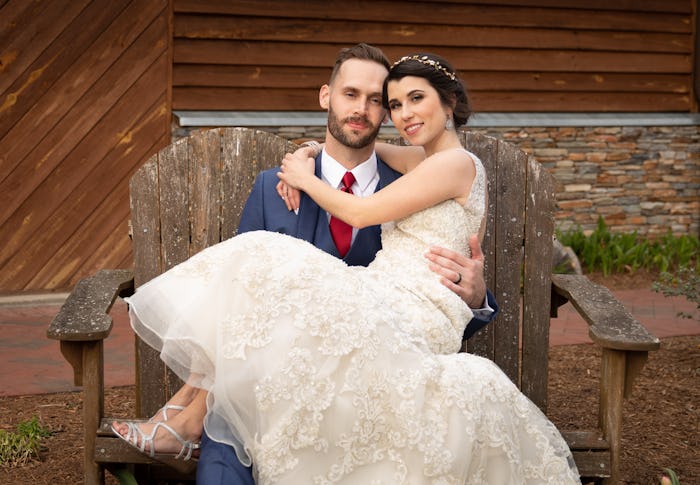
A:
84	315
611	325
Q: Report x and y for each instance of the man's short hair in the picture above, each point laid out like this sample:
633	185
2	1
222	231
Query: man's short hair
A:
360	51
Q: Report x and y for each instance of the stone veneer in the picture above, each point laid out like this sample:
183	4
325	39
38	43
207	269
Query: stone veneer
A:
644	179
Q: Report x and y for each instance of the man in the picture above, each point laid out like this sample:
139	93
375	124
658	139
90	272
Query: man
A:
353	99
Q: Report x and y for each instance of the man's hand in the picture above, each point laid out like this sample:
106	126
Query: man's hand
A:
461	274
289	195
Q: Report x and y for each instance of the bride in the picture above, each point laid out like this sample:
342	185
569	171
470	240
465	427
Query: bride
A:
317	372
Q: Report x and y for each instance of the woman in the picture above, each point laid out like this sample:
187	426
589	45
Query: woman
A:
321	373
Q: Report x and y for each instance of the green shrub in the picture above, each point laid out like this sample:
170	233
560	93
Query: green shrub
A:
20	447
609	253
683	282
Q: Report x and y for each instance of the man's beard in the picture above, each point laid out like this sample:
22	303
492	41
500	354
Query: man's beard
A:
335	126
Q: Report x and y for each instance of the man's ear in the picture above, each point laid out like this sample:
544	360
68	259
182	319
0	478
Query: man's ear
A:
323	96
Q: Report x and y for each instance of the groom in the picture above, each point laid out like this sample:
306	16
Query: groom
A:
353	99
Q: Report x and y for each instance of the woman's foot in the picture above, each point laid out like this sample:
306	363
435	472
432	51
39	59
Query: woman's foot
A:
160	442
159	438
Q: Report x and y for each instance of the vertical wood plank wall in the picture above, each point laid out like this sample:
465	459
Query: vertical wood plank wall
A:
84	99
516	55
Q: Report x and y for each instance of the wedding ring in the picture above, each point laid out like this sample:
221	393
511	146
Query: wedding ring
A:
459	278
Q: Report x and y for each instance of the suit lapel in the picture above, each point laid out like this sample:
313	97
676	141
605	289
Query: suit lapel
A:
386	174
309	212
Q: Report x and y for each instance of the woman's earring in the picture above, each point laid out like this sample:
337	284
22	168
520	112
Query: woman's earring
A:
449	124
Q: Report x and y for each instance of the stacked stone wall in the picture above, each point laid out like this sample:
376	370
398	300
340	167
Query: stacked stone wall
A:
643	179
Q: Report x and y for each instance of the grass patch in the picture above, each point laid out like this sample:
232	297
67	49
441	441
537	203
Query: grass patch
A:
22	446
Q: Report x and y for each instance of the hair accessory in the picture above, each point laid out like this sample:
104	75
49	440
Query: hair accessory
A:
428	62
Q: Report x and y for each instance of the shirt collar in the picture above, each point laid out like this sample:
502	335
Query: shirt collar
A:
332	171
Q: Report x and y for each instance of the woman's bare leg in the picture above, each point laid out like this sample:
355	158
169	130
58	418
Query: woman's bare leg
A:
183	397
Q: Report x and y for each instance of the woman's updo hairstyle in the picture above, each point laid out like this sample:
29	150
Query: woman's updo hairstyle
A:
441	76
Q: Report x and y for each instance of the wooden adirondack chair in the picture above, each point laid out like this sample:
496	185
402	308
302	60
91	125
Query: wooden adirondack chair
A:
190	195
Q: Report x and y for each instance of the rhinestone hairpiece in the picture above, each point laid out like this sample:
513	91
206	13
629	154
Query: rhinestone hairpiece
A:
428	62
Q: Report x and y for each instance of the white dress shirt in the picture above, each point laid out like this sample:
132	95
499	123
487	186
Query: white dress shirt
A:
366	177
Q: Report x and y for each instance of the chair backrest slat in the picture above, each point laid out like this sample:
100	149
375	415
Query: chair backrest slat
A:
508	229
537	282
173	185
205	178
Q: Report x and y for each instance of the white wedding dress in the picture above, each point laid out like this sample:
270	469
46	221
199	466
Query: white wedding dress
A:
321	373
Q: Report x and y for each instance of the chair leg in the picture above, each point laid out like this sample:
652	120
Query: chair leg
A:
93	407
612	386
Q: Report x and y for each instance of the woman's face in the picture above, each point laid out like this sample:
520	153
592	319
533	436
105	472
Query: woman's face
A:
416	110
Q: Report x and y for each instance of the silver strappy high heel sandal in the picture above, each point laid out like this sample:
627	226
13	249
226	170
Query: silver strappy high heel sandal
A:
182	461
164	411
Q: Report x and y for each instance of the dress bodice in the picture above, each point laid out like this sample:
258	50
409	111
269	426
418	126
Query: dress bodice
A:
447	224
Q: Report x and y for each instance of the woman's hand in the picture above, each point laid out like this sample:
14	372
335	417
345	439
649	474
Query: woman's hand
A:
290	195
295	170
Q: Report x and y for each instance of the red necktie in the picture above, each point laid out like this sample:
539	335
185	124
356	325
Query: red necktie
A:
341	232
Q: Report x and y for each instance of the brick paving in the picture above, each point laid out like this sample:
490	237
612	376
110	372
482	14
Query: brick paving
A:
30	363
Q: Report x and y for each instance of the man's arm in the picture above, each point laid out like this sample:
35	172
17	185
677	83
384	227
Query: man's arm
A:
483	317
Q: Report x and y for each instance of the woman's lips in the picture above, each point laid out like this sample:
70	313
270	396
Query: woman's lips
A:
412	129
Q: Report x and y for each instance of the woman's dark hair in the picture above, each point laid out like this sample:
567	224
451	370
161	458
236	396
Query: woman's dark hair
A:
441	76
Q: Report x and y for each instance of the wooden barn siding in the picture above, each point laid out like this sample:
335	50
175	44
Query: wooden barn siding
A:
526	55
84	100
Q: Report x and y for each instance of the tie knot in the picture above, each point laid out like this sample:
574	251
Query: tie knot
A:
348	179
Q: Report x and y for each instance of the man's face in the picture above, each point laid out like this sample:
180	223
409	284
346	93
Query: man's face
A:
354	103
